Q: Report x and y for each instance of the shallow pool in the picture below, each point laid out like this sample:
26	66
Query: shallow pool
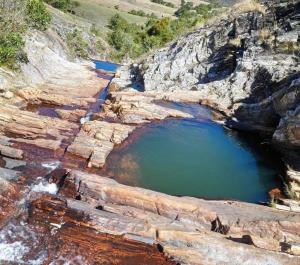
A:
195	158
106	66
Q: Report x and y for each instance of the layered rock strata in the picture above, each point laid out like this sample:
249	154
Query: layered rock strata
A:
139	108
189	230
97	139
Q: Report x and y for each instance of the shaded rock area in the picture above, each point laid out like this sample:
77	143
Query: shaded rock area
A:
245	65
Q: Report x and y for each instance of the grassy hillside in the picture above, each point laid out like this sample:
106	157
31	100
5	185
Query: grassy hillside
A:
101	11
99	14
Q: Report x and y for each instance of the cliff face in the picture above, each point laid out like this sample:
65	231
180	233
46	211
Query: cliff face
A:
246	65
243	64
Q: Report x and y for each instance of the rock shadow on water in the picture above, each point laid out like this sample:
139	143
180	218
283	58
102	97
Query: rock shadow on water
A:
126	171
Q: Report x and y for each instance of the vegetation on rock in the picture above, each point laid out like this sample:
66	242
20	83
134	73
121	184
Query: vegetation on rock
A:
132	40
37	15
15	18
77	45
64	5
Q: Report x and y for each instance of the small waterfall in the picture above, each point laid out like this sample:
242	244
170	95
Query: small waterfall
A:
107	71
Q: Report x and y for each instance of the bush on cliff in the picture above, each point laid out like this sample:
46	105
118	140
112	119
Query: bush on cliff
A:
15	17
64	5
37	14
77	45
11	44
12	26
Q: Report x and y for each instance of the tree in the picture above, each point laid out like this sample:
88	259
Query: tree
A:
118	23
185	9
161	29
59	4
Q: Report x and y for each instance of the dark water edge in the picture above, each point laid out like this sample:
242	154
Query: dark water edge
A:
197	158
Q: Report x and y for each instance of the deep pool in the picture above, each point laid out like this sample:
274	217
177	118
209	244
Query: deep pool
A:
195	158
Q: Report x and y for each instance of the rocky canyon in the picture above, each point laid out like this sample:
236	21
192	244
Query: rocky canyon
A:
60	119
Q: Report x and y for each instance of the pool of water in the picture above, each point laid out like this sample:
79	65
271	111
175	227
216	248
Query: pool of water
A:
106	66
195	158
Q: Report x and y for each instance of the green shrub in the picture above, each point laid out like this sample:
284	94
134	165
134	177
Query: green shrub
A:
185	9
162	30
162	2
77	45
12	27
118	23
59	4
64	5
37	14
11	45
141	13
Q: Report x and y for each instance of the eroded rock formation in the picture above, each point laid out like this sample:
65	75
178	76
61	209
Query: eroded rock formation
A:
242	66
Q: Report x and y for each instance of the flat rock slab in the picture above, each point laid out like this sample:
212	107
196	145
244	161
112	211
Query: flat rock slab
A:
138	108
13	163
73	227
9	174
11	152
31	128
97	139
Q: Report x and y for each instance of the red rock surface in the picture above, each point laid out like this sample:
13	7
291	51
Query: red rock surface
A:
75	238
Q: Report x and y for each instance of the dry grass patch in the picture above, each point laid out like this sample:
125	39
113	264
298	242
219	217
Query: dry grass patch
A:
265	34
237	42
249	6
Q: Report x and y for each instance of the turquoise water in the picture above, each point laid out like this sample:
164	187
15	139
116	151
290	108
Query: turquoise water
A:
195	158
